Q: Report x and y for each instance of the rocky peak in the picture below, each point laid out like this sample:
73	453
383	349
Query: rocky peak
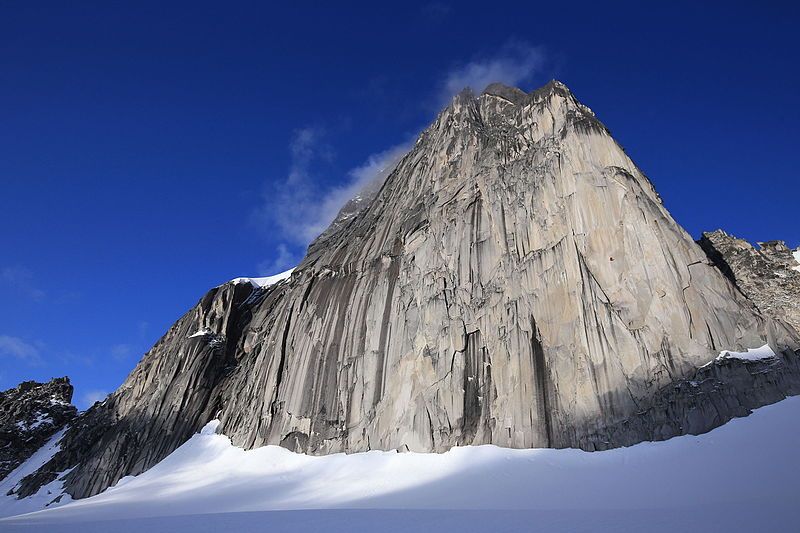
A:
769	275
512	94
30	414
515	281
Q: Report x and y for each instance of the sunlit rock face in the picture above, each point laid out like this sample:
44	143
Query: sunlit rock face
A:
516	280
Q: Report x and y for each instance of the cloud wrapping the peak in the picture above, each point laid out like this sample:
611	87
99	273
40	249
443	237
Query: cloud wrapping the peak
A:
299	208
514	64
375	169
291	205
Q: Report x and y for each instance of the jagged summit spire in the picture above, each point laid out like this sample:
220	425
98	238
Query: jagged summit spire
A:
518	96
512	94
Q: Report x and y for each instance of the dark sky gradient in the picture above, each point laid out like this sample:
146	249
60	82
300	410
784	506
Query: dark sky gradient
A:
137	141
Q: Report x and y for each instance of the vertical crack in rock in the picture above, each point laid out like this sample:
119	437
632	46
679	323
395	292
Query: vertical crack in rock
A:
471	383
540	373
392	274
479	392
282	360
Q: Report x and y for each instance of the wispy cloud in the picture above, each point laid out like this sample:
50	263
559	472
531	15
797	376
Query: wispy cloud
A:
121	352
89	398
372	170
20	349
299	208
292	205
21	280
514	63
284	259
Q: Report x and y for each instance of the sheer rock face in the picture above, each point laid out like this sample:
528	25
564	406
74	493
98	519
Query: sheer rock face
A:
769	276
515	281
30	414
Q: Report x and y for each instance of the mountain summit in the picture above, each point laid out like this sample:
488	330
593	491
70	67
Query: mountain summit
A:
515	281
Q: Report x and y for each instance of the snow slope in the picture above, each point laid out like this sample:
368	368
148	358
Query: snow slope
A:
740	477
12	506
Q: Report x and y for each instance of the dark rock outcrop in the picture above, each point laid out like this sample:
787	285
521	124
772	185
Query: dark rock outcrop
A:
516	281
769	275
714	394
30	414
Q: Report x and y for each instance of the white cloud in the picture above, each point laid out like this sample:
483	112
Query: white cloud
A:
142	328
21	279
514	64
375	169
18	349
298	208
89	398
292	203
283	261
120	352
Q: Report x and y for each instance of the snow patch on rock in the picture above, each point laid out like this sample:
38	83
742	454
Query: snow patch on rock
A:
796	255
41	419
752	354
10	505
202	332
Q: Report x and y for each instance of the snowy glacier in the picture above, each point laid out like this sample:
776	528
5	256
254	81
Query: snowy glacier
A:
742	476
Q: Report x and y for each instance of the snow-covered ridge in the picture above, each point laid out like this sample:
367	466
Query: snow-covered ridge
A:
745	470
266	281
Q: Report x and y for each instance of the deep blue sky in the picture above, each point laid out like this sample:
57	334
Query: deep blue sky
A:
145	149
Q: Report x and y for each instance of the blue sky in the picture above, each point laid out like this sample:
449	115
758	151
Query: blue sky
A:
149	152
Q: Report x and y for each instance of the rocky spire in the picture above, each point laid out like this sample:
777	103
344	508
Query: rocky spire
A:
30	414
515	281
769	275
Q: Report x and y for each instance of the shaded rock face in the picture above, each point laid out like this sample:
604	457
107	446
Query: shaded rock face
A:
30	414
706	399
515	281
769	276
